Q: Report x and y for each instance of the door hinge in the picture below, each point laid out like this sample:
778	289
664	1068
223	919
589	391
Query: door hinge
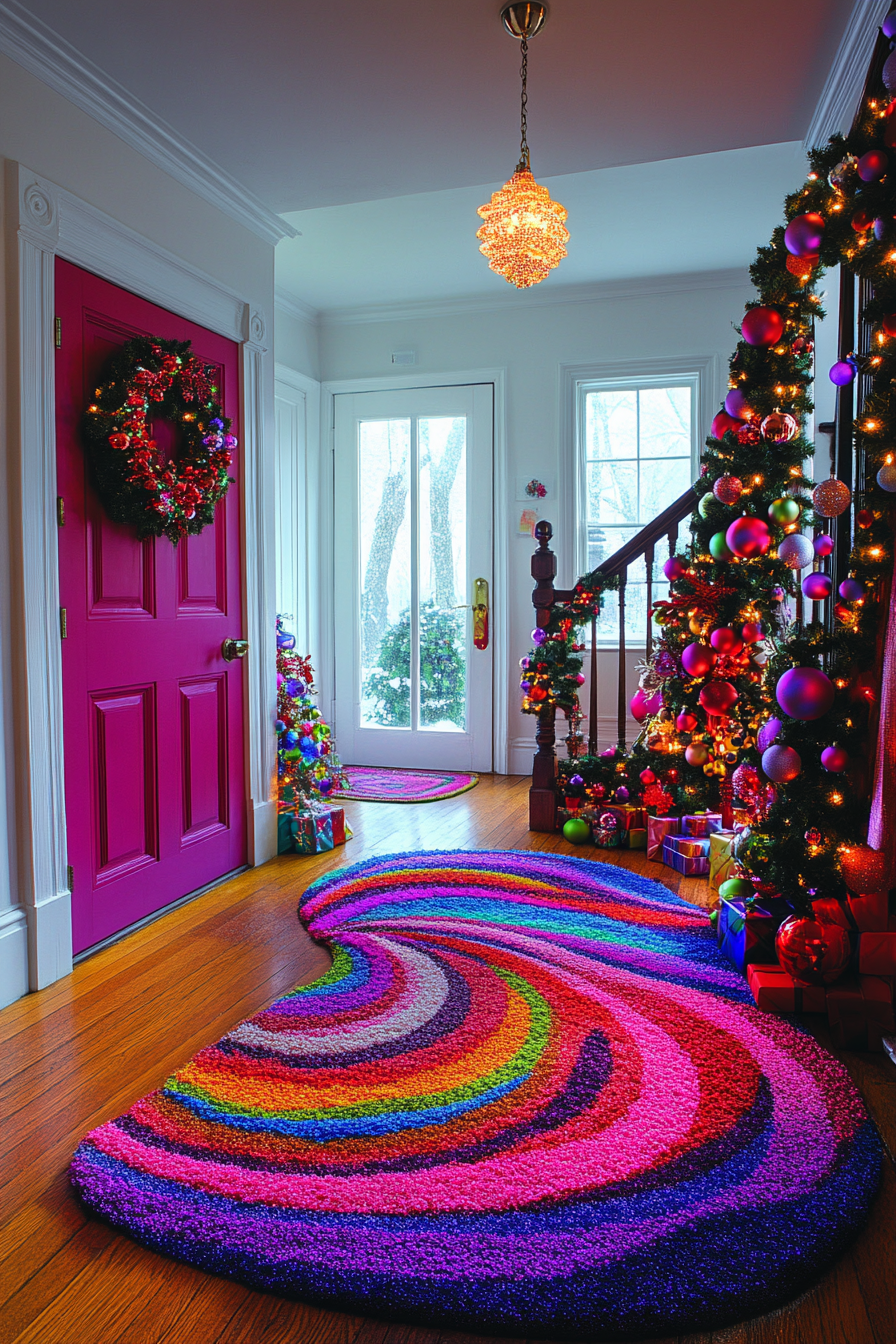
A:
57	332
60	511
71	878
63	623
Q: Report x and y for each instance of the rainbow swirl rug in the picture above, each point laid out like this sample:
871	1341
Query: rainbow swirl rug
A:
382	784
528	1098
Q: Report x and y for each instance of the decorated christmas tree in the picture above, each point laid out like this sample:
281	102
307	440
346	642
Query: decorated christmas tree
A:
308	768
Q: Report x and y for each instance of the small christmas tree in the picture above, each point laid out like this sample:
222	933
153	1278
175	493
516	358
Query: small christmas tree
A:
307	766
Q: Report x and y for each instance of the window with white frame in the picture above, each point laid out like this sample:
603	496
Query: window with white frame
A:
637	453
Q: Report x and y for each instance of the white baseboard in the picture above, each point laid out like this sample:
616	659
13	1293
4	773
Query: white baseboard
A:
50	939
263	838
522	749
13	955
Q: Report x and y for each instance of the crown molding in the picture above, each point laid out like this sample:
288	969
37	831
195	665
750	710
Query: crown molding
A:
29	42
294	307
603	290
843	87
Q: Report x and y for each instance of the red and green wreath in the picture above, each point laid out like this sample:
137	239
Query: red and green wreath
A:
151	379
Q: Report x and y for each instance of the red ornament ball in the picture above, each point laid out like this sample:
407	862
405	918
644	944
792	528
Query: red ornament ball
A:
802	346
864	869
872	165
686	721
781	764
745	781
823	545
647	777
697	659
805	693
812	836
752	632
748	537
717	697
834	759
864	517
811	950
762	326
831	498
674	568
725	641
888	322
802	266
862	219
804	234
780	427
728	489
748	436
723	424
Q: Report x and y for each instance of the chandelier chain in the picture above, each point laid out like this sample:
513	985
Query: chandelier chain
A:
524	103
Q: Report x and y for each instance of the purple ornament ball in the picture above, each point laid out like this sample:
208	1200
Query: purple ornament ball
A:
778	593
804	234
737	404
674	568
872	165
834	759
324	786
525	663
823	545
851	590
767	733
622	794
888	27
279	726
525	684
817	587
577	781
538	637
781	764
842	373
888	74
286	640
805	693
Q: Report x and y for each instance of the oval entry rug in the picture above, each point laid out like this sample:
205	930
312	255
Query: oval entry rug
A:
529	1097
381	784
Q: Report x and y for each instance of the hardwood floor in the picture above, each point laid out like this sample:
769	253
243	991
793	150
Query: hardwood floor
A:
85	1049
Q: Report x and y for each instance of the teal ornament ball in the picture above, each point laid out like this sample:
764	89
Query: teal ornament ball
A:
576	831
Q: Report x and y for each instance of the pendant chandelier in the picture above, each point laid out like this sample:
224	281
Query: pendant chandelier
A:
524	234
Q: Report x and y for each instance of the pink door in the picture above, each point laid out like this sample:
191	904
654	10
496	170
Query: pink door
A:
153	715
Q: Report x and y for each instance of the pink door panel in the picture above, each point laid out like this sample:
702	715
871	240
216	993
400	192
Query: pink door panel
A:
154	758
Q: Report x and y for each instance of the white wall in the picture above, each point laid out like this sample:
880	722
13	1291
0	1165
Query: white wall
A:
678	316
43	131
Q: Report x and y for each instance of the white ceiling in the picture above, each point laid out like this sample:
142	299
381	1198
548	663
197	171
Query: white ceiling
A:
391	122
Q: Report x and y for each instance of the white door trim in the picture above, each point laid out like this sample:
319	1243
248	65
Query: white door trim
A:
500	606
290	385
52	222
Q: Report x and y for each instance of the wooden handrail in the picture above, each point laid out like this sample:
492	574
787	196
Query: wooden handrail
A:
651	533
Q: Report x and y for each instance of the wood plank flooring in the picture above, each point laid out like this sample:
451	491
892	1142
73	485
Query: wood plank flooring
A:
85	1049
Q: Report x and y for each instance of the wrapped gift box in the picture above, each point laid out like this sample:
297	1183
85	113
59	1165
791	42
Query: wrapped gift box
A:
877	953
747	927
687	845
870	912
721	861
860	1011
683	863
607	837
776	992
315	833
657	830
701	824
627	815
287	827
637	838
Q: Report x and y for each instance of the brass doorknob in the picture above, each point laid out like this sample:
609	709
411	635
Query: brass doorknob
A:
234	648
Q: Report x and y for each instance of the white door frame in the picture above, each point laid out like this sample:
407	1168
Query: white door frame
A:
50	223
304	393
500	606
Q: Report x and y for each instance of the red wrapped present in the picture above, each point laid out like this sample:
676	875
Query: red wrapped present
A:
861	1011
683	863
657	830
877	953
870	912
777	992
701	824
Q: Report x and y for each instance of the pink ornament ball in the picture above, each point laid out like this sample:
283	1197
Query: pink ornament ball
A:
796	551
752	632
781	764
805	693
726	641
823	545
817	587
767	733
580	678
851	590
804	234
834	759
717	697
872	165
723	424
745	780
686	721
643	707
762	326
728	489
737	404
647	777
748	537
674	568
697	659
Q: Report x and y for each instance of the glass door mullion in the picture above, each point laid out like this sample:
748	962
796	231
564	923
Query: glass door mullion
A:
415	576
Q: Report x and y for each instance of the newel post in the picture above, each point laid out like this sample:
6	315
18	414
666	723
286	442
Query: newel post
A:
543	793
